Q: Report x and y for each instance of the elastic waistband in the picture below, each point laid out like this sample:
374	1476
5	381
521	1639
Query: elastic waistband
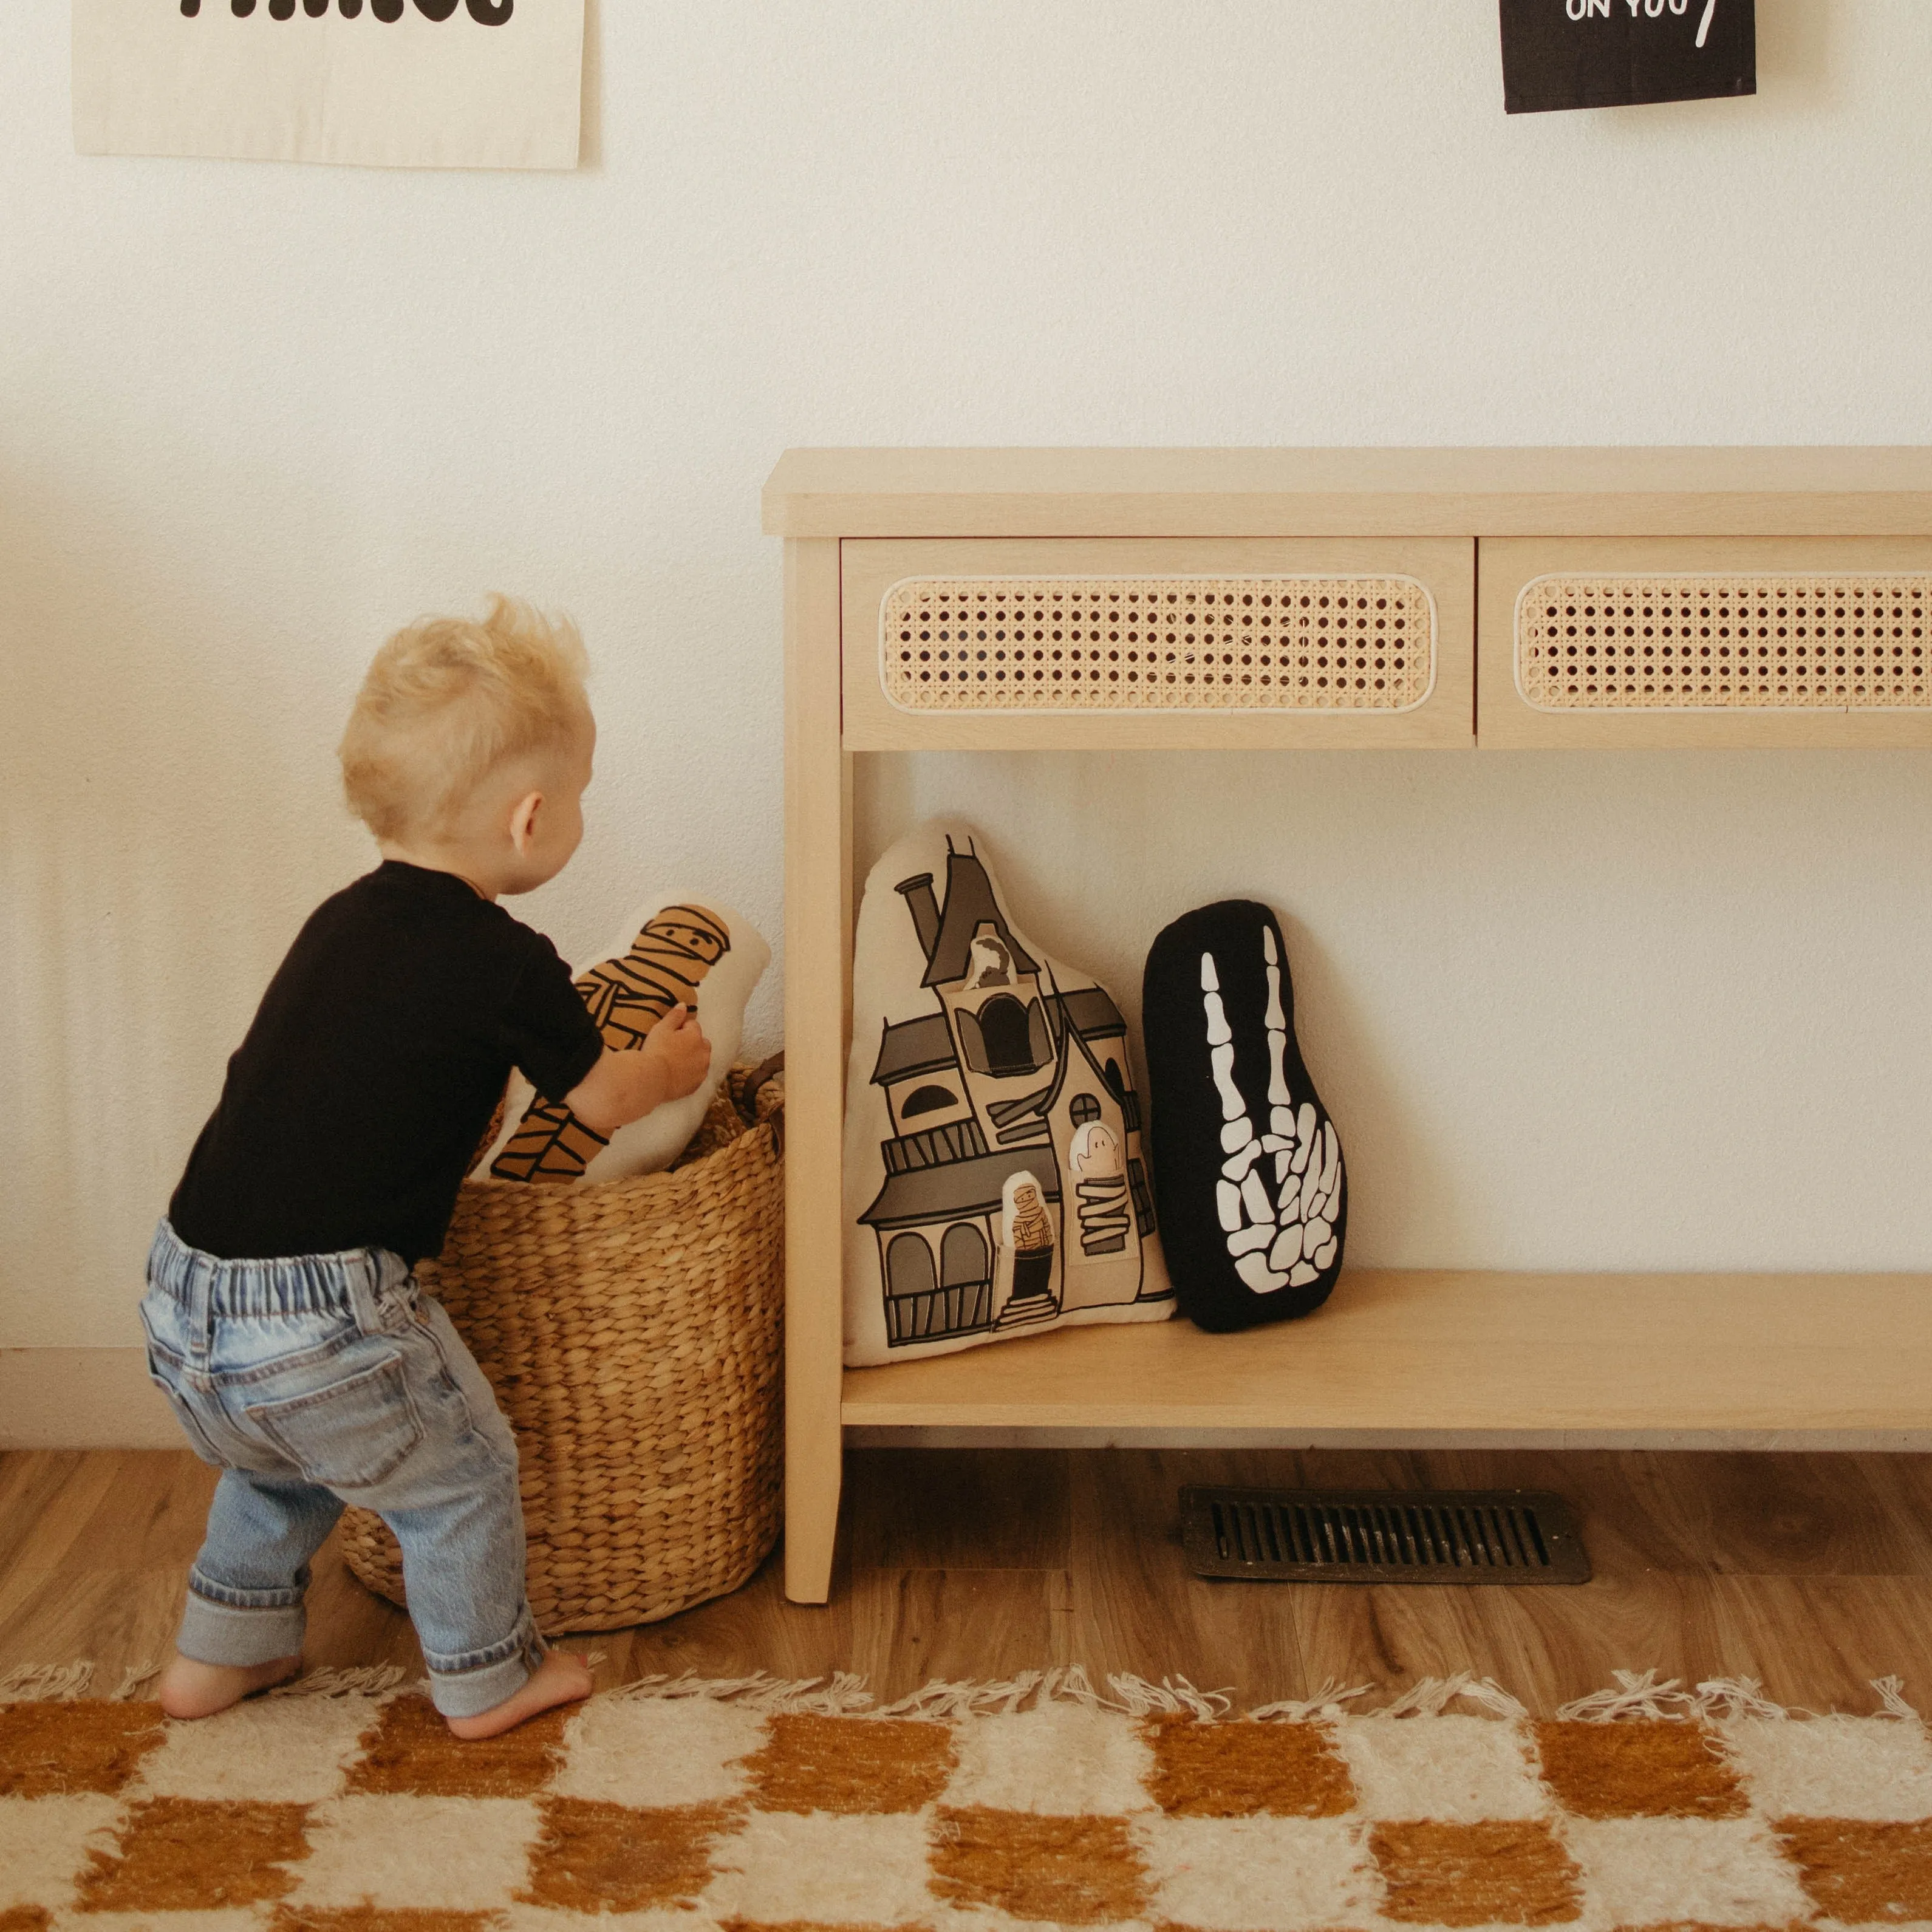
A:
279	1285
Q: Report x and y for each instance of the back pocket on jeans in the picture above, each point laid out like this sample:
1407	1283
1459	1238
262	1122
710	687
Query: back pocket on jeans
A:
199	1439
350	1435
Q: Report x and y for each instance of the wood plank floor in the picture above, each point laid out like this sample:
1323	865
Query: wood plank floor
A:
1811	1573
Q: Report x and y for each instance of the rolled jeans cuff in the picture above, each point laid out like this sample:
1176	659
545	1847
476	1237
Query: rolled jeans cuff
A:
237	1634
468	1693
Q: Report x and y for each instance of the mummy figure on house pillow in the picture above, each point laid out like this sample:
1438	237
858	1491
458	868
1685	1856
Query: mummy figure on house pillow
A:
996	1181
1247	1165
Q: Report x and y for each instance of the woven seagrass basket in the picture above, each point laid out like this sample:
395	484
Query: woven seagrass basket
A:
632	1331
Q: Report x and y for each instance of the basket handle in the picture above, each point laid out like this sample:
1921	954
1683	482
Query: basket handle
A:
746	1101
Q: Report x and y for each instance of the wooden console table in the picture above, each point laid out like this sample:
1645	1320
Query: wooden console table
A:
1590	597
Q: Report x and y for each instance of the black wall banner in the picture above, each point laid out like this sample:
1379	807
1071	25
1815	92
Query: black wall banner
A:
1614	53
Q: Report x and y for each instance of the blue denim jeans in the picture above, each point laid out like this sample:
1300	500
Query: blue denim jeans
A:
312	1380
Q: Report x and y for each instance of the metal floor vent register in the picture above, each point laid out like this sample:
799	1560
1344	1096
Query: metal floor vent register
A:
1383	1536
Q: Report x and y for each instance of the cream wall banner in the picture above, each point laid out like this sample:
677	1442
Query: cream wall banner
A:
394	83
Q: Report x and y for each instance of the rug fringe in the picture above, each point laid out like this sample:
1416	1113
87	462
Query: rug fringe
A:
1892	1699
1736	1697
1073	1686
1634	1696
363	1680
1172	1697
1487	1694
1433	1695
64	1683
968	1699
1720	1698
45	1683
132	1679
843	1694
1647	1695
1326	1702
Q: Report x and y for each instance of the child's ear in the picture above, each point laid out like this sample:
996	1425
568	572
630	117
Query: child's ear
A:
523	820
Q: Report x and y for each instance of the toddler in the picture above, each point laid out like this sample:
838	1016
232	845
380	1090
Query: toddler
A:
283	1319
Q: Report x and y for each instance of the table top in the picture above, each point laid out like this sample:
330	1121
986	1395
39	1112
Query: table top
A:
1870	491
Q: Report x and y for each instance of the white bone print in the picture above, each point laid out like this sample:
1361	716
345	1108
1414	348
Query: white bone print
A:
1284	1239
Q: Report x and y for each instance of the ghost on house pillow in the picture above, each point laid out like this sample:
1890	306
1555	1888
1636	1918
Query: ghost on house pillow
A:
995	1181
1247	1165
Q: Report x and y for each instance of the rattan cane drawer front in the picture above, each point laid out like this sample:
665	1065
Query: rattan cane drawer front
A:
1157	644
1783	641
1118	642
1742	641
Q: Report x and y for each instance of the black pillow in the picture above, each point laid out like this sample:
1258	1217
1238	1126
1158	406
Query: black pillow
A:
1247	1165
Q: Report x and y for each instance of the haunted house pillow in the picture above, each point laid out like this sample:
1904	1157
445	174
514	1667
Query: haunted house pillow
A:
1247	1165
996	1182
672	952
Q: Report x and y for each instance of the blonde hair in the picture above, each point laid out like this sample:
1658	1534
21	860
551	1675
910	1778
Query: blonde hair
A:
446	701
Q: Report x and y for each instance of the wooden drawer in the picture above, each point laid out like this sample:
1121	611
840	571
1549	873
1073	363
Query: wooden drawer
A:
1696	640
1062	643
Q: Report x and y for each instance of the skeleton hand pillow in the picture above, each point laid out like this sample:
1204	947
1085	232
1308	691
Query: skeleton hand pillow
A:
1247	1165
672	953
995	1180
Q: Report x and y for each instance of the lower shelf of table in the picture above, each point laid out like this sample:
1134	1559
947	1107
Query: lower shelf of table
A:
1426	1357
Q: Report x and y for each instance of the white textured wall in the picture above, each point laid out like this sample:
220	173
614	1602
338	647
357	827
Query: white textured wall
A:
1644	1010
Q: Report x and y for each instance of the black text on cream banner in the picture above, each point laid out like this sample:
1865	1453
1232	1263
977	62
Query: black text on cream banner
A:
391	83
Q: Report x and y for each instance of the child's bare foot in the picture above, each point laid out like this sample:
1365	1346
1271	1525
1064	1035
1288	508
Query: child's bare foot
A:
191	1689
561	1678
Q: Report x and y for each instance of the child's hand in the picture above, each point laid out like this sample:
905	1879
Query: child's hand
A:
627	1083
682	1051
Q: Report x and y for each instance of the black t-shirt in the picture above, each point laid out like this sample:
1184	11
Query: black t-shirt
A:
353	1109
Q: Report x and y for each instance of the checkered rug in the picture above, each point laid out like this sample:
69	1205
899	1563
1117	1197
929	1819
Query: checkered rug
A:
680	1807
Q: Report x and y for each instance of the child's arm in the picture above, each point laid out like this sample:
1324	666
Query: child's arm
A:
624	1085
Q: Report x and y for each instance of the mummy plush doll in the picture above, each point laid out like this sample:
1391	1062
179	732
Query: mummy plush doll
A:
672	952
1247	1166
